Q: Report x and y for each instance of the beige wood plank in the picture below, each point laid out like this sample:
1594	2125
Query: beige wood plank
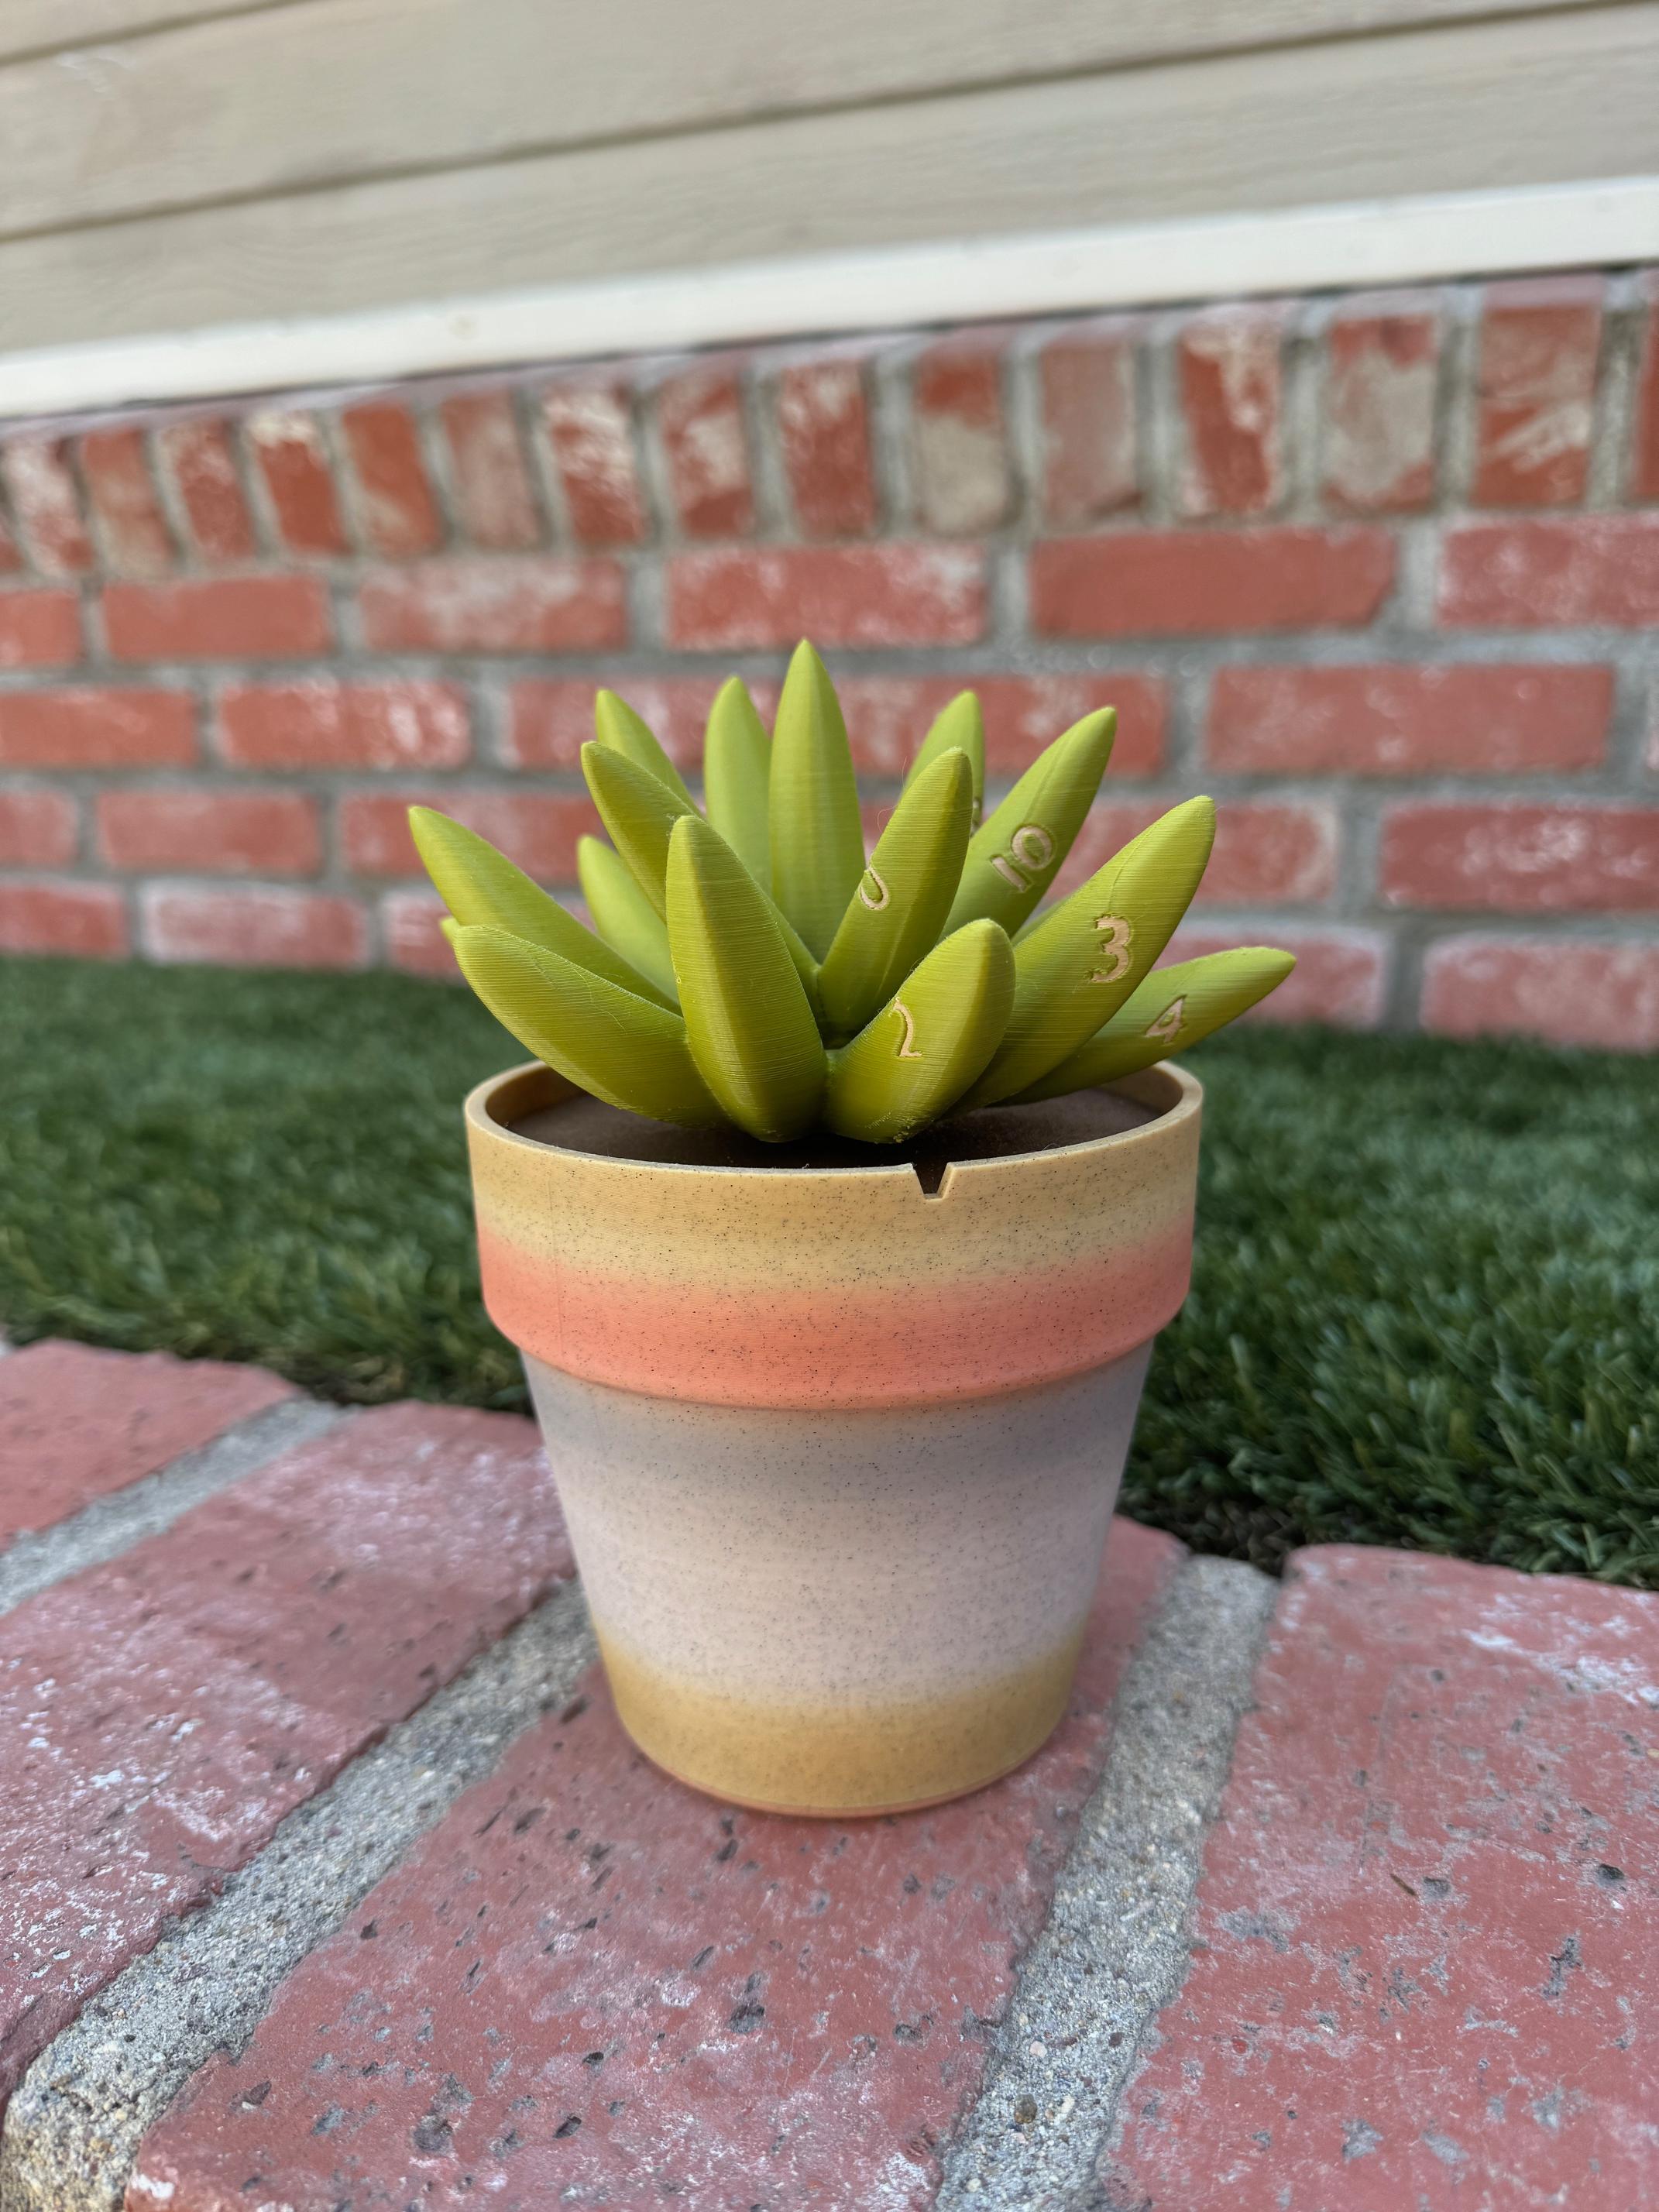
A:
28	26
1473	107
338	90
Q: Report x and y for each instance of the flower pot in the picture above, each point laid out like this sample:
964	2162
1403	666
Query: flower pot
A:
838	1456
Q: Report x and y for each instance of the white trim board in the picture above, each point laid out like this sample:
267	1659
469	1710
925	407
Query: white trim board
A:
1607	223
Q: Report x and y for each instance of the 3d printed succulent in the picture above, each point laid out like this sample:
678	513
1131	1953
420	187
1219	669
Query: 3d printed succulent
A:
749	964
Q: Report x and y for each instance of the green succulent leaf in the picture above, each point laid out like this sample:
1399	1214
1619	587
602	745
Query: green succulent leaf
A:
1075	968
931	1041
624	1049
447	923
1167	1011
481	886
749	1023
624	732
896	912
1014	857
817	843
622	915
638	811
959	727
737	768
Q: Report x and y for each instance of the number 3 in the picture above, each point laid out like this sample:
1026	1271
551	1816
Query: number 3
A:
1116	936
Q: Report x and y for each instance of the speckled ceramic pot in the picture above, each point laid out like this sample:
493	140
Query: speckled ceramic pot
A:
838	1457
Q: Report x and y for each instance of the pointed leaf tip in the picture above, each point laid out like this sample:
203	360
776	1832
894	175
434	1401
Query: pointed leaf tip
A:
619	727
816	837
1169	1010
1015	855
915	1059
737	767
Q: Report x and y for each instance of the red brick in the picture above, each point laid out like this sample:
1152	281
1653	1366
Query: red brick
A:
1341	976
414	942
1536	403
219	618
1570	991
963	477
537	829
264	928
839	595
888	716
492	490
227	1669
705	445
211	833
546	606
551	717
38	828
132	527
11	554
97	728
395	505
1266	853
76	1424
590	431
46	504
866	1966
1381	370
39	629
1644	458
293	461
1551	574
321	723
203	468
1153	583
1522	860
1424	1930
823	428
85	920
1229	374
1090	446
1383	720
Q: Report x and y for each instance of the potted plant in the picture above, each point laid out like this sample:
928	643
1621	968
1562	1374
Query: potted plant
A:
835	1220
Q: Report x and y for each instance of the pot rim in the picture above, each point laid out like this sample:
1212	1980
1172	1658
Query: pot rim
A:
533	1077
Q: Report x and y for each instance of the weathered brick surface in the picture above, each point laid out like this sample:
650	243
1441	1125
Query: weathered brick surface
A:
1539	343
1573	993
219	618
160	1715
38	828
413	940
546	606
203	466
1424	1948
496	504
713	2007
1382	365
76	1424
1392	720
1341	976
538	829
1264	853
1521	858
38	629
207	832
321	723
126	511
1258	528
1229	376
256	927
862	595
86	921
1156	583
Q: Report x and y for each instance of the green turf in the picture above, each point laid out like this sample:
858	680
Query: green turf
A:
1425	1312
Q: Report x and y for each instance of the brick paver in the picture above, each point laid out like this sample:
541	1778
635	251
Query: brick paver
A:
1426	1967
76	1424
592	1986
159	1716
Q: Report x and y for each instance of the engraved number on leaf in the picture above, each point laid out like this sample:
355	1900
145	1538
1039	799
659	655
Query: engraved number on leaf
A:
1115	935
906	1043
1029	851
1168	1024
882	895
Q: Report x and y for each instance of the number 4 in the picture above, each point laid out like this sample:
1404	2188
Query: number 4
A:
1167	1027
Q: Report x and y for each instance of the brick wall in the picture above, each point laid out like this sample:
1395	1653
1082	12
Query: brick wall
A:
1380	572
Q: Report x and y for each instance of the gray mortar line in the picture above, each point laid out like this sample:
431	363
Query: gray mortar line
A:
1115	1947
74	2127
111	1525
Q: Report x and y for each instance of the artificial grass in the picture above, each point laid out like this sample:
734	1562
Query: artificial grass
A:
1424	1310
